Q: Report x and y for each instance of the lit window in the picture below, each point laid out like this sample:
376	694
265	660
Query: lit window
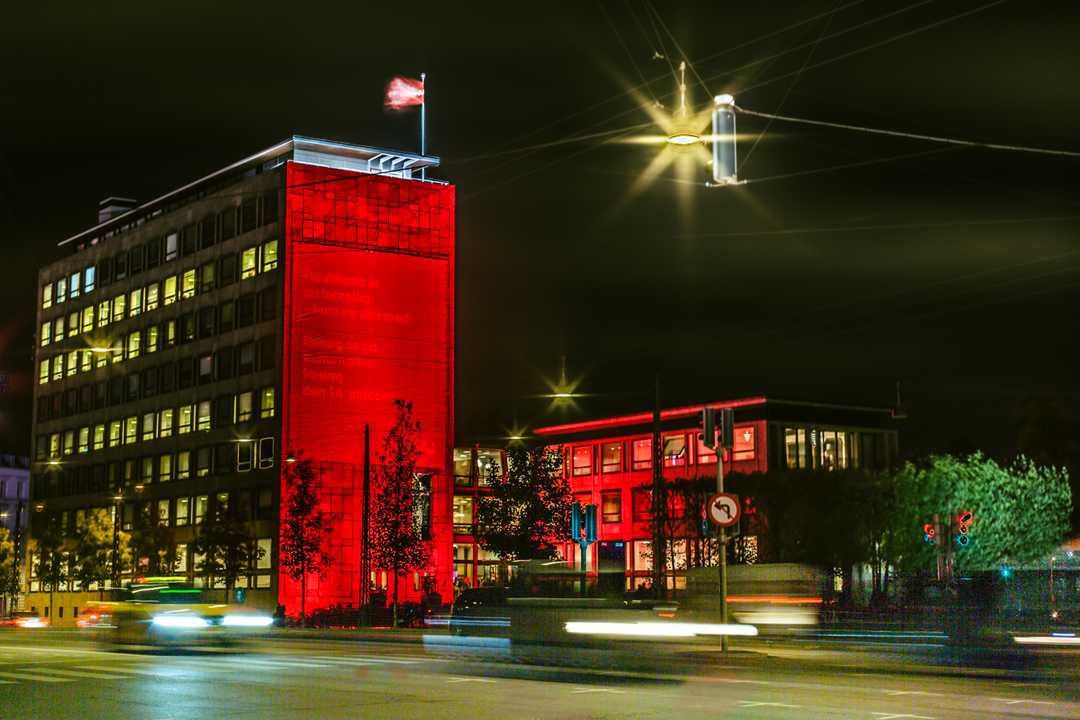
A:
152	339
206	367
202	504
248	266
133	340
89	280
115	426
54	445
611	506
149	426
46	333
88	319
61	290
266	403
117	353
43	372
206	279
87	362
99	437
183	424
46	296
463	514
73	289
58	367
187	284
72	362
183	465
165	468
171	242
131	430
675	450
165	419
103	312
744	443
242	408
163	512
795	447
611	457
69	442
147	475
119	307
642	454
264	558
183	512
58	329
168	294
152	296
102	359
269	255
203	417
135	304
84	440
73	324
583	460
170	333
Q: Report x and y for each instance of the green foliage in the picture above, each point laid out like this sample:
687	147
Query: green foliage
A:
304	528
9	582
527	514
396	541
226	549
1021	512
153	542
93	554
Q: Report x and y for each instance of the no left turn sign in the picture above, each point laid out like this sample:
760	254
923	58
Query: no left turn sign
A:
724	509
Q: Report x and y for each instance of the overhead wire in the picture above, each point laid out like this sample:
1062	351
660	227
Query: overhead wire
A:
675	42
626	49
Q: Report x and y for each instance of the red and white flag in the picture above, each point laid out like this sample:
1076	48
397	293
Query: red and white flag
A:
404	92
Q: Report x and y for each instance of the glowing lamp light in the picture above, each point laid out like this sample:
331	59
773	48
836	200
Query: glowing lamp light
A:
247	620
683	139
658	629
185	622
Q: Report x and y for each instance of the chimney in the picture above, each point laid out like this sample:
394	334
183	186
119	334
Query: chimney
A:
113	206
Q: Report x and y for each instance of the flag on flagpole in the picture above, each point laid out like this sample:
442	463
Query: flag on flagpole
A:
404	92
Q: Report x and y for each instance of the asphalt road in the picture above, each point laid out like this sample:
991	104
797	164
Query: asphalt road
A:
57	676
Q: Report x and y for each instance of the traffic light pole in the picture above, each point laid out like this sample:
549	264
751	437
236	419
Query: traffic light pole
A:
723	549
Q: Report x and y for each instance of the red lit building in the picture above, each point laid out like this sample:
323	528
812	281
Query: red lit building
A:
609	462
191	344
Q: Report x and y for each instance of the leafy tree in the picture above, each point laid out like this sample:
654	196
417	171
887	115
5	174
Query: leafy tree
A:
93	554
1021	511
397	541
304	529
224	544
153	542
527	514
9	582
53	568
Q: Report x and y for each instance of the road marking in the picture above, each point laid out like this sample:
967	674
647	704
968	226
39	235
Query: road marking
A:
34	677
374	658
583	690
132	670
754	703
898	716
348	663
242	662
83	674
469	679
913	692
1009	701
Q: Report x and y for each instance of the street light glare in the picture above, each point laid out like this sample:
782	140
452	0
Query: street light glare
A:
683	139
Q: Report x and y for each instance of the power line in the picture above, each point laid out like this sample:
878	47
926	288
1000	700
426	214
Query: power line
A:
910	135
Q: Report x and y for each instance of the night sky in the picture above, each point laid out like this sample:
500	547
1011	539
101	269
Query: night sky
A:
954	271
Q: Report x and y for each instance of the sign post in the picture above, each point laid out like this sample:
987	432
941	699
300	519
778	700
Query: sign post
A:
723	508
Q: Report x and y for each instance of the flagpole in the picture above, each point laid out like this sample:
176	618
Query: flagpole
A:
423	122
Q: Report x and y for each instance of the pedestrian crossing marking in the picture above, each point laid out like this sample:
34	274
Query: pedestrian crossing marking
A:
34	677
84	674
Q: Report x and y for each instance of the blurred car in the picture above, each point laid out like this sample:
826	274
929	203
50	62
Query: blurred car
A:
28	620
170	611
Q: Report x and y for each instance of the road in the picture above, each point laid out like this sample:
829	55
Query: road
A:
61	676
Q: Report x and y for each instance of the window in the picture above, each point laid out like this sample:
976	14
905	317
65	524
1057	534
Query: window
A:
86	362
131	430
58	329
266	403
642	504
119	307
61	290
88	319
245	310
228	223
187	284
203	459
58	367
183	465
611	506
168	292
163	512
264	561
73	285
84	440
206	277
269	255
54	445
675	450
795	447
103	313
642	453
245	455
43	372
202	504
171	246
149	426
744	443
72	362
248	266
229	269
705	455
611	457
152	339
47	296
115	428
46	333
168	333
266	453
207	321
165	468
153	295
463	514
583	458
202	421
135	299
247	216
183	511
99	437
246	362
132	349
89	280
227	316
147	475
183	425
187	327
165	421
206	368
242	408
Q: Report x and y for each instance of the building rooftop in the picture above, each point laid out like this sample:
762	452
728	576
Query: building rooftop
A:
310	151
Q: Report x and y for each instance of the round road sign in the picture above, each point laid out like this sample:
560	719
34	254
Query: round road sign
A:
723	509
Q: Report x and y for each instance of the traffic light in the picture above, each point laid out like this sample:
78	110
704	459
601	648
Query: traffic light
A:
718	419
727	428
575	522
929	534
963	528
1006	572
708	423
590	524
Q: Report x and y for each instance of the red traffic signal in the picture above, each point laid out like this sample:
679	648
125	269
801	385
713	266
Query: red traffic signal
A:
963	527
930	533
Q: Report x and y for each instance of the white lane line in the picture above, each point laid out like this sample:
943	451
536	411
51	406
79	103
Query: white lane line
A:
1010	701
754	703
901	716
244	662
347	663
914	692
583	690
34	676
132	670
469	679
378	658
84	674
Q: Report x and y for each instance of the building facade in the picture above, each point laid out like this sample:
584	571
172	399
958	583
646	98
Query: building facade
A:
191	345
14	512
609	462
